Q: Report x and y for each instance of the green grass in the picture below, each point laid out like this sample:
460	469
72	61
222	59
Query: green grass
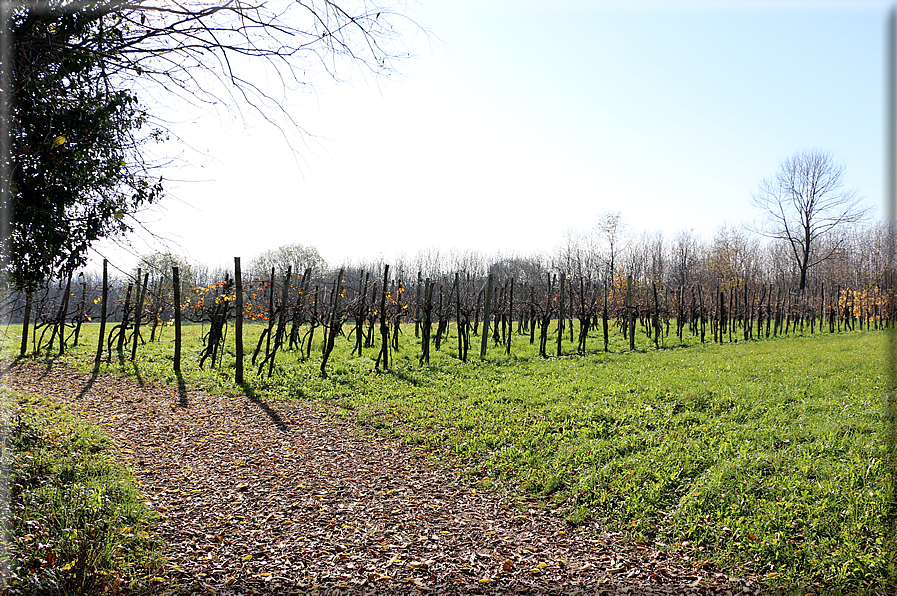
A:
765	457
78	524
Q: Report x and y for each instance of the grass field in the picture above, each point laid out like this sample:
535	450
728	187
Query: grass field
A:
765	458
79	526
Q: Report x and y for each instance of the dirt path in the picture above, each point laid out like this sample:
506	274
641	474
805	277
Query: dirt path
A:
259	499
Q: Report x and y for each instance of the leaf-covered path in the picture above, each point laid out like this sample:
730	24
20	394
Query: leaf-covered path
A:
276	499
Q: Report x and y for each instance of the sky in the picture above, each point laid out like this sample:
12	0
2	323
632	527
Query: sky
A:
516	123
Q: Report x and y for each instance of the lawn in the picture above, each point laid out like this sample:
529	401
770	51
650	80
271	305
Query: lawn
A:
764	457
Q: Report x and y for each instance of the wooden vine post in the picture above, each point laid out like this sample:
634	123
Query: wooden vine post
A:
81	308
702	314
655	320
360	309
270	318
333	325
510	318
176	283
563	276
123	326
281	322
532	315
462	356
630	312
545	321
266	332
29	297
486	315
139	313
399	311
60	317
157	309
238	277
417	305
384	326
604	317
425	328
103	313
299	309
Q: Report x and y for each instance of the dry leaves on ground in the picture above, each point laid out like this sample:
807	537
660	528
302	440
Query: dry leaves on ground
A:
262	499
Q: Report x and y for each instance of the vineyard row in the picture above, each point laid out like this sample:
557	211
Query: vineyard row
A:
370	308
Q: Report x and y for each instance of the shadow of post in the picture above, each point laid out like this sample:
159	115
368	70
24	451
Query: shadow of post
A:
249	392
93	377
49	361
137	374
182	389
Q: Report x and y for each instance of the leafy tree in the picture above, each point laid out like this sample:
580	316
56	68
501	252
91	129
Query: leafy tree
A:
75	171
805	202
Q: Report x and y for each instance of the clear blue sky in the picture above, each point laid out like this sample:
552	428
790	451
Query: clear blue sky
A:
517	121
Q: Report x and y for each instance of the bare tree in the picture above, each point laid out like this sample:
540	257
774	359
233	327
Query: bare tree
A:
732	257
684	256
201	50
805	201
611	228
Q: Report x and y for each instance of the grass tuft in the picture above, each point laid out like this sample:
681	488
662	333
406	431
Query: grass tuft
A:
78	524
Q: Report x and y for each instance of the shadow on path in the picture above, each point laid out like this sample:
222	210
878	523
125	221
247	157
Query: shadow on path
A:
93	377
182	389
137	373
249	392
